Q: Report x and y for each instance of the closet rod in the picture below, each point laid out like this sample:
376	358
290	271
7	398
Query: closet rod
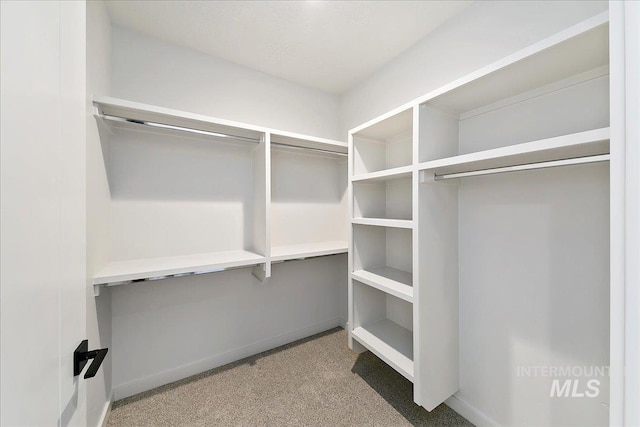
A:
296	147
179	128
528	166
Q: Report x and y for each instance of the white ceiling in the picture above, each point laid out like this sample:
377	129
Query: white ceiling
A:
329	45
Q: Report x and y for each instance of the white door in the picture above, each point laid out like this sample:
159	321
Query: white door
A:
42	205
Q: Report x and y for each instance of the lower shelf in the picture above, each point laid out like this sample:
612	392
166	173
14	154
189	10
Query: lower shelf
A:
284	253
123	271
390	342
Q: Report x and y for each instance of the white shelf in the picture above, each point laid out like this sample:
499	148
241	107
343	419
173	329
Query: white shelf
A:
390	342
114	107
139	112
307	250
395	282
576	50
383	222
582	144
123	271
385	175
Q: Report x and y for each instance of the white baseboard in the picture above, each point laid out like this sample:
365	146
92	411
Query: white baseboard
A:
104	417
147	383
469	412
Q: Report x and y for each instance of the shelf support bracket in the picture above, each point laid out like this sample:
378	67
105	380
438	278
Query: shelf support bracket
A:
427	178
260	272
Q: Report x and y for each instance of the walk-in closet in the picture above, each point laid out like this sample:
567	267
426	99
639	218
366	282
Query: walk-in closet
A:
320	213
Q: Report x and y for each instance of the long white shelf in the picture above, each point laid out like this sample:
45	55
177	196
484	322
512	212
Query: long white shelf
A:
390	342
307	250
582	144
385	175
388	279
123	271
384	222
136	114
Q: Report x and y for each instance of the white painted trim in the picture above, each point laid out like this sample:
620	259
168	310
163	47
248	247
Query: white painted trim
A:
470	413
156	380
106	411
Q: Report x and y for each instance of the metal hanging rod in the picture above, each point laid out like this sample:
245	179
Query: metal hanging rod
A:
179	128
296	147
528	166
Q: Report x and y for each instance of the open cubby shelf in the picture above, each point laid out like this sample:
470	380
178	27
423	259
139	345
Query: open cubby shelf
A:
377	247
383	325
386	203
390	342
383	146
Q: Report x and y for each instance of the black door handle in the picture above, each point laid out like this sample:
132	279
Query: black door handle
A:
82	355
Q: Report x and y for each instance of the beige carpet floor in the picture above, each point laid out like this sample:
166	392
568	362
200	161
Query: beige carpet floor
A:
317	381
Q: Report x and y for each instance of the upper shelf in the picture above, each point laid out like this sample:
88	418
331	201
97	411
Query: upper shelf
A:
289	139
122	113
582	144
577	50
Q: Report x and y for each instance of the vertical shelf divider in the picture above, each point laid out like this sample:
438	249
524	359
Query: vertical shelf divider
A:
436	266
261	159
415	192
353	344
